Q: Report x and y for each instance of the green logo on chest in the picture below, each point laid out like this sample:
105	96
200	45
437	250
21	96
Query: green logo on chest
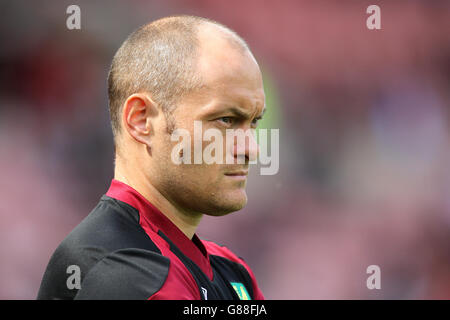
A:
240	290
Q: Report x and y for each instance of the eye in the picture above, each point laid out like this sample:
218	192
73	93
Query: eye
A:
226	120
255	121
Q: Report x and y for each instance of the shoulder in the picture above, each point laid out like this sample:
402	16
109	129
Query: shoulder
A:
125	274
115	259
109	235
109	227
136	274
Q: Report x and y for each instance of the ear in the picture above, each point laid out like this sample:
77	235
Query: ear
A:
137	114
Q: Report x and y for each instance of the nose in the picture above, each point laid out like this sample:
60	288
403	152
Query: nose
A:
246	147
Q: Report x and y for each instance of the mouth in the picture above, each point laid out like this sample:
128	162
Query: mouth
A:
242	174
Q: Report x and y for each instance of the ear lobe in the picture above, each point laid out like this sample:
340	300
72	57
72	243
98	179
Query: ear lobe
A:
136	117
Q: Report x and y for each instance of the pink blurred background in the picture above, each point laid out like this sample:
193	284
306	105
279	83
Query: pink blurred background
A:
364	121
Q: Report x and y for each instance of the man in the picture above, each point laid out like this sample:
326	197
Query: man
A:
140	242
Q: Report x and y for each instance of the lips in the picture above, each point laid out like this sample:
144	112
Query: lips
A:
242	173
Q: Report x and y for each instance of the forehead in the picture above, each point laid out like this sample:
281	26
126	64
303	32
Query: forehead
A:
230	74
229	92
230	77
222	57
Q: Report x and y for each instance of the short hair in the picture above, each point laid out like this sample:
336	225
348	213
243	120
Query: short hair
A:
159	58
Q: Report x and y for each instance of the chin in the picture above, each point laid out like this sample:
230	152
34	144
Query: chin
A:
228	204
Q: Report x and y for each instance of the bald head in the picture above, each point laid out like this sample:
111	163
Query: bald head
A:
165	59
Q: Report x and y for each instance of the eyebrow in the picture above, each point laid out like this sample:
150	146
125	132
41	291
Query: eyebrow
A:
236	111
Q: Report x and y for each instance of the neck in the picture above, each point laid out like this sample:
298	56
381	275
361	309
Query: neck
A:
136	179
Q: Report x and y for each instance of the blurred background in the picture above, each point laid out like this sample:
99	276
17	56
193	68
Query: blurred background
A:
364	119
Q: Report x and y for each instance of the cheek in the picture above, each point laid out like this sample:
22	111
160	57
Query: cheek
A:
202	174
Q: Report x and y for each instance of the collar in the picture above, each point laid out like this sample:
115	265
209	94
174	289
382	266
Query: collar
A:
156	220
